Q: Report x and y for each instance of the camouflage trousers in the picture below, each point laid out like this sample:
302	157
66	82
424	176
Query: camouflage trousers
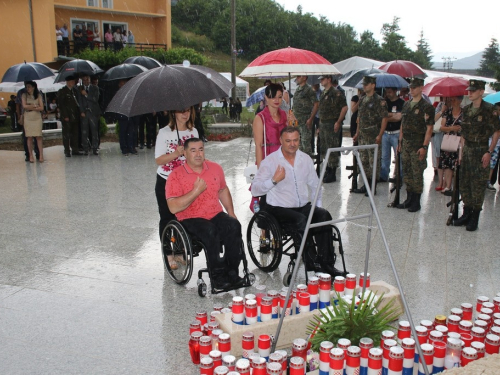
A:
368	138
413	168
473	177
305	134
329	139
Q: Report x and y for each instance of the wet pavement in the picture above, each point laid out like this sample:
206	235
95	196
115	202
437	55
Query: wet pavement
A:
82	284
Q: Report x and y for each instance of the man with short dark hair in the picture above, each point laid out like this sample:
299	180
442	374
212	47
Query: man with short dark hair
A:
195	192
287	177
69	108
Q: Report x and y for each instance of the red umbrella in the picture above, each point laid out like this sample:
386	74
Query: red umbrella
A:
446	86
403	68
287	61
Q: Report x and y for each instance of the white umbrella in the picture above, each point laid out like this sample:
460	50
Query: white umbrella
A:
45	85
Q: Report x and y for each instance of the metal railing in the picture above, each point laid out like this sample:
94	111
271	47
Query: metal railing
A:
70	48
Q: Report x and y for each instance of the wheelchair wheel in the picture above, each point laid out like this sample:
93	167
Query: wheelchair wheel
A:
264	241
176	242
287	278
202	289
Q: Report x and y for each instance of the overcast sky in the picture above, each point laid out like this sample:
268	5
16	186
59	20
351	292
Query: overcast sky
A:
452	29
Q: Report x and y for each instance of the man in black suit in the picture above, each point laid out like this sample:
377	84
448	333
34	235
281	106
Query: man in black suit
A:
90	113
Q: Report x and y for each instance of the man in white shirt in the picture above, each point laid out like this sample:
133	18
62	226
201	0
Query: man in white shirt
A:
286	177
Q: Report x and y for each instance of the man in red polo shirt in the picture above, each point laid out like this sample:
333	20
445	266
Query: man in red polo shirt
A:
195	192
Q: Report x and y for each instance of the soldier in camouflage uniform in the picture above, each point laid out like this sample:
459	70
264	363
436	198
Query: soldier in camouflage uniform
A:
305	106
332	110
480	122
417	120
372	121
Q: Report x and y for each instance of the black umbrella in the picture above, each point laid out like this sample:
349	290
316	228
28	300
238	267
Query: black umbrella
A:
352	78
167	88
27	72
147	62
77	67
123	71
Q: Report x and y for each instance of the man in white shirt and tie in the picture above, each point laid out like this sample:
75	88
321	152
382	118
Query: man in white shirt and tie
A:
287	177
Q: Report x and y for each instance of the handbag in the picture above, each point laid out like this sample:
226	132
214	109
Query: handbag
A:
251	170
451	142
437	126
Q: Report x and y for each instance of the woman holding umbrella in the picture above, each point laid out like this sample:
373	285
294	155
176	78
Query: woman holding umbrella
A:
33	106
169	154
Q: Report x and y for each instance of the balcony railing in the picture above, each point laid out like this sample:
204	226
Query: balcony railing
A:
71	47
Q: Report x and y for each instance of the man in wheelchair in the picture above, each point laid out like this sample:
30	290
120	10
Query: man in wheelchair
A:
286	177
194	194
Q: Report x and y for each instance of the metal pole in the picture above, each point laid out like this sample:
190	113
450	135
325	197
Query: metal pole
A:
30	6
233	48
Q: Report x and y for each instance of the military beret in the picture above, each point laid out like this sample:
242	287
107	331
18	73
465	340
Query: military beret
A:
416	82
369	79
475	84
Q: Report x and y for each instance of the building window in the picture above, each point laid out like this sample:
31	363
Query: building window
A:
92	3
107	3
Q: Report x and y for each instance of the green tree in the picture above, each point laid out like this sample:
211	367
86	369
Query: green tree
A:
422	55
394	44
368	46
491	60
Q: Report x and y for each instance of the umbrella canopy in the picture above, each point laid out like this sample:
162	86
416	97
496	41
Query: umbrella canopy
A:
77	67
168	88
27	72
123	71
291	61
256	96
446	86
492	98
45	85
352	78
386	80
145	61
403	68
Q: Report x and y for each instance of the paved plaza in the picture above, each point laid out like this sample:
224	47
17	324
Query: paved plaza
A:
82	284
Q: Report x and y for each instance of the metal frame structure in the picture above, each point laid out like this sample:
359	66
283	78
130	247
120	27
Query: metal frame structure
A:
373	211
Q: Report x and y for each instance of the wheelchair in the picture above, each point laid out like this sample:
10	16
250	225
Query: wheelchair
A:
185	248
268	241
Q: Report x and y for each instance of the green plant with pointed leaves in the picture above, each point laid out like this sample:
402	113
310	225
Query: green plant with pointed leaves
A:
351	321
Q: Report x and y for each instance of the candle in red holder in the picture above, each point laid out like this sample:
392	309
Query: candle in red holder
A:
304	302
464	326
224	344
221	370
205	346
299	348
487	311
194	347
496	323
408	345
243	366
491	344
375	361
339	285
206	366
350	284
478	334
480	348
435	336
365	344
458	312
386	335
302	288
324	356
276	357
466	338
202	317
264	346
344	344
325	285
218	307
422	334
194	326
404	330
213	314
427	324
495	330
211	326
297	366
266	309
274	368
336	361
496	304
284	359
287	311
247	344
428	352
468	355
364	280
439	354
453	322
479	302
443	330
481	324
386	348
485	318
313	290
488	305
467	310
259	366
396	357
237	309
229	361
216	357
250	311
353	360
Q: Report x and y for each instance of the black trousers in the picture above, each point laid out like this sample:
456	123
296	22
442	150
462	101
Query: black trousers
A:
165	214
148	121
297	217
221	228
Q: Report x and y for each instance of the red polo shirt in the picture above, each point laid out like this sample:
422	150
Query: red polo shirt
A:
207	204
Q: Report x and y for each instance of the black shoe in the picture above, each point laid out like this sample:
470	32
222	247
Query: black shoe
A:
141	146
361	190
392	180
68	155
85	153
27	158
134	152
448	193
464	219
219	280
77	153
149	147
95	152
474	220
407	202
235	280
415	203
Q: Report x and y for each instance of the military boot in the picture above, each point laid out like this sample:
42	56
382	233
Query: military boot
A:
374	191
329	175
361	190
407	202
415	203
464	219
473	221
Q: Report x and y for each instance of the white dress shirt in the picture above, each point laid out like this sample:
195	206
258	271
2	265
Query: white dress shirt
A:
296	189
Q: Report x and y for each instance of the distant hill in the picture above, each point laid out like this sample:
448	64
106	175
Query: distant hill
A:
466	63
